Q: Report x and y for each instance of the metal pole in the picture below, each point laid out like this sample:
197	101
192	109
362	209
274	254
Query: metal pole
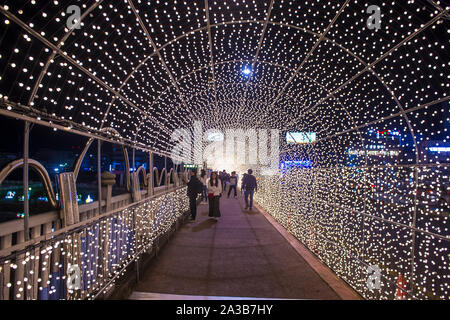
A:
165	167
99	175
26	203
150	166
134	160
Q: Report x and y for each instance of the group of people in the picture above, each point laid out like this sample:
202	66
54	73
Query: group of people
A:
212	187
229	180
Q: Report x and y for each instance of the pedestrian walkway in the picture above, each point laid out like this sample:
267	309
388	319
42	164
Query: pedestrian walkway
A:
240	255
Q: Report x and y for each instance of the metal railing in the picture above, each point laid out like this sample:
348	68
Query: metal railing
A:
83	260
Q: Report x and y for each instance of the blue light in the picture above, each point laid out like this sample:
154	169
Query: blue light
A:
246	71
296	164
10	195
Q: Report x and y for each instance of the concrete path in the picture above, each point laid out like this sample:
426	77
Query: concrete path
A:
240	255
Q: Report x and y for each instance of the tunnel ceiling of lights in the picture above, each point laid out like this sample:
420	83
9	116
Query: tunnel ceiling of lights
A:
375	100
146	68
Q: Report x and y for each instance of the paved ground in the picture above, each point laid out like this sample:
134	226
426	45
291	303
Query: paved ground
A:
240	255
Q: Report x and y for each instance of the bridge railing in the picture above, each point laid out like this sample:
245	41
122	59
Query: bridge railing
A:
83	260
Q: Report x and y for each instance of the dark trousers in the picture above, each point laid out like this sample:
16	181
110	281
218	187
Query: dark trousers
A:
249	193
214	207
193	207
231	188
204	194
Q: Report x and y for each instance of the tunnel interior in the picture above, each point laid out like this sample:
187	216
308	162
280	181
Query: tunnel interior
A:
368	188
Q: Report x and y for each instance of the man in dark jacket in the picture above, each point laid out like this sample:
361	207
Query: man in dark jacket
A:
249	186
194	187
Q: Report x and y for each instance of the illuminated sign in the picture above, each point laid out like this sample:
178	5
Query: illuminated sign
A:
215	136
10	195
439	149
300	137
379	153
388	133
296	164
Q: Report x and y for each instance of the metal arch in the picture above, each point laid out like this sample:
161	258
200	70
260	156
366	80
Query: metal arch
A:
322	36
31	31
149	38
86	147
156	51
258	85
239	22
208	26
50	45
197	70
54	53
40	169
369	67
158	177
144	174
258	49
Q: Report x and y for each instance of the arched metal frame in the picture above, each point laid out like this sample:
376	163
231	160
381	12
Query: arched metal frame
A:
40	169
86	148
322	37
141	169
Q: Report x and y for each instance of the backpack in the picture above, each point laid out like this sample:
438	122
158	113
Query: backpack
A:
199	187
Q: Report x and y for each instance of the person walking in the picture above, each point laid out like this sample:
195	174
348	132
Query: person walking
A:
250	186
224	177
233	184
214	194
242	184
194	187
204	180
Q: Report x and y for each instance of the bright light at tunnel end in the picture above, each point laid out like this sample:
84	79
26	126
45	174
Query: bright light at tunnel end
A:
246	71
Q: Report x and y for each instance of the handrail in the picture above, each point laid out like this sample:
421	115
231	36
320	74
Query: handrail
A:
97	249
67	230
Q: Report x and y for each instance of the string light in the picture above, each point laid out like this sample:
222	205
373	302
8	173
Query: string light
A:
298	69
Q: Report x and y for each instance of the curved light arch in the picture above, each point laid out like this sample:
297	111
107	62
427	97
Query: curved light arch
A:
290	26
40	169
54	53
360	60
432	21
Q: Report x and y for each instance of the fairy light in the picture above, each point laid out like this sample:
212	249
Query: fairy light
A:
355	201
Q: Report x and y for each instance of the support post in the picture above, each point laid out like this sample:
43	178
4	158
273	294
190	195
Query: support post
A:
134	160
165	167
99	175
26	201
150	182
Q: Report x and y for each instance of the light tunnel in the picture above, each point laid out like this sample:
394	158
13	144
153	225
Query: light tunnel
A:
374	92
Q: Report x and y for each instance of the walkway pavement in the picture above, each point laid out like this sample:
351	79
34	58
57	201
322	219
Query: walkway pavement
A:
240	255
